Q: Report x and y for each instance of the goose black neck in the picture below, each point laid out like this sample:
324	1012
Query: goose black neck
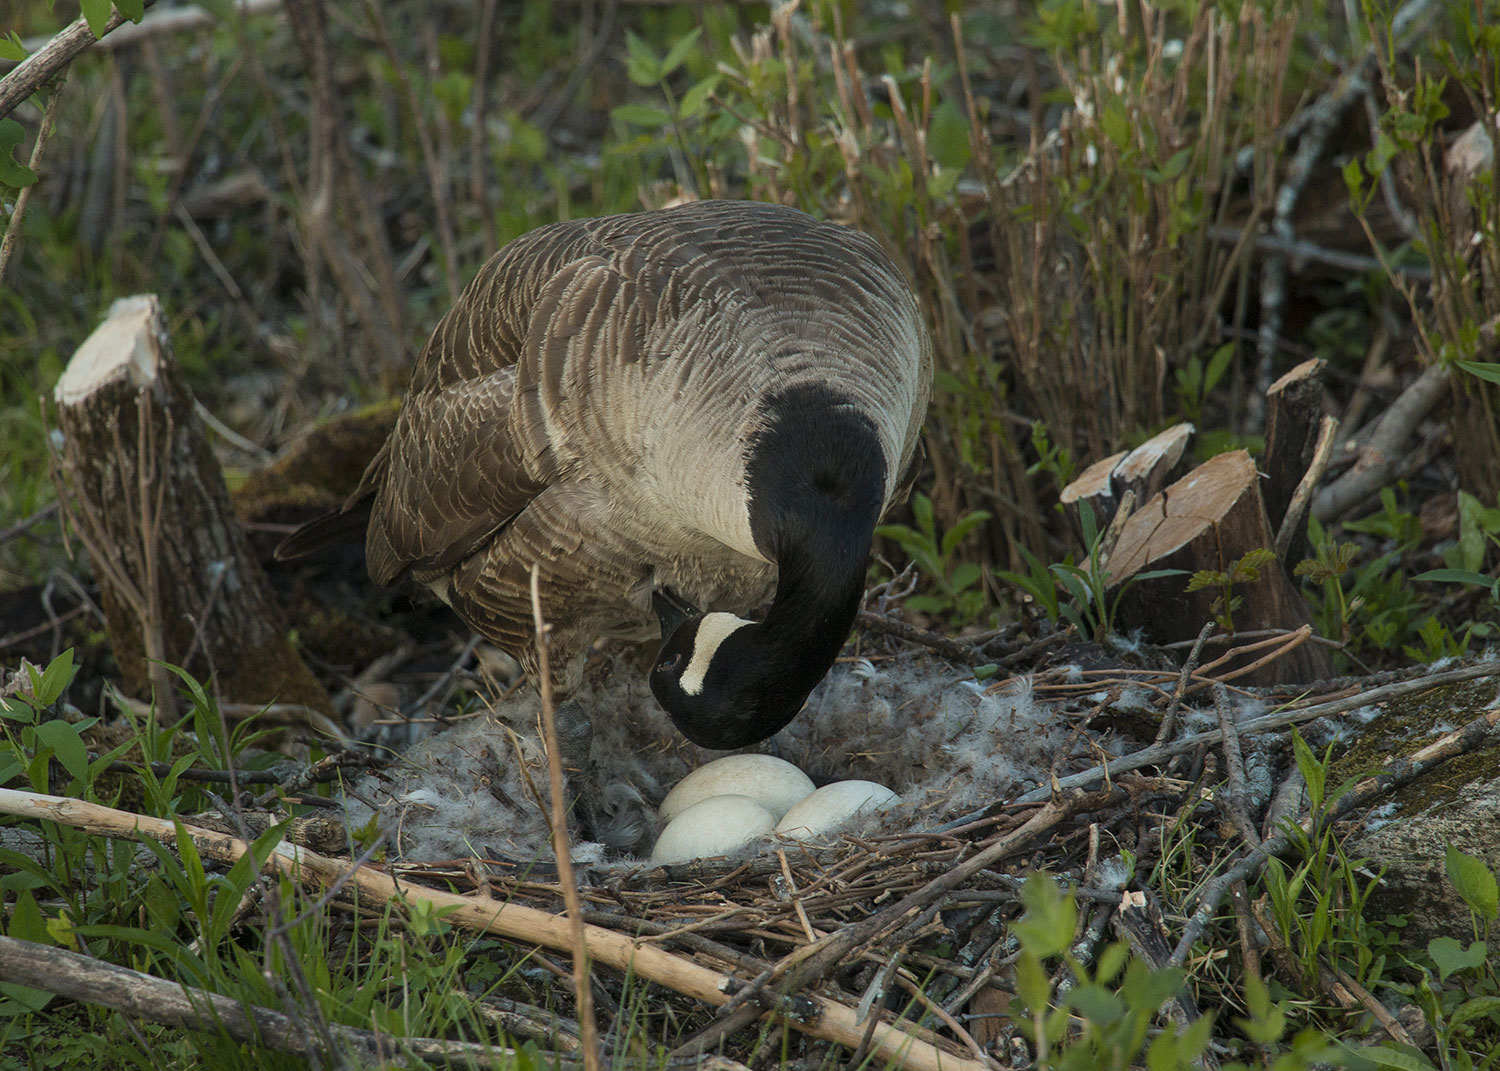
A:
817	476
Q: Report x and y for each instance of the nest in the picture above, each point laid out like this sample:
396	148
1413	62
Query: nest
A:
983	771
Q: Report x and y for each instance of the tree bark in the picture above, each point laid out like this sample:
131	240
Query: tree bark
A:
177	580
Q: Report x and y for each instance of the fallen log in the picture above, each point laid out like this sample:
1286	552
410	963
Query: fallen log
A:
143	491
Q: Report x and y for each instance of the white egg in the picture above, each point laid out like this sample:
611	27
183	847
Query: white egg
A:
715	826
774	782
833	806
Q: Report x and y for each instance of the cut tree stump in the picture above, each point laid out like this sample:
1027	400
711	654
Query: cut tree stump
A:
1294	410
1207	520
145	494
1144	470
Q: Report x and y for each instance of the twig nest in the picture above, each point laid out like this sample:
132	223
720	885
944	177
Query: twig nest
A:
714	826
832	807
775	783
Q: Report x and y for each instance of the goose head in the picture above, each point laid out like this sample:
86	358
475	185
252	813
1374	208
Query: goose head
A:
817	484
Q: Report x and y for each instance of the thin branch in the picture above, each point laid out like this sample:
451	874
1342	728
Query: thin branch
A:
18	213
1151	756
34	71
561	846
93	981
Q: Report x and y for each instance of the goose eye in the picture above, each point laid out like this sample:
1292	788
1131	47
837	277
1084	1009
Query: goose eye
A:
667	665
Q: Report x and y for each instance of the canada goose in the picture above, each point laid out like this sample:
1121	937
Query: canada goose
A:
705	406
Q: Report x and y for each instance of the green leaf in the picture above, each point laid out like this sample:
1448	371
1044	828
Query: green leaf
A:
162	906
1403	1058
1172	168
640	115
1046	929
67	746
1096	1003
1267	1020
1455	576
679	52
16	710
56	678
921	511
134	10
1486	370
1451	956
11	47
961	528
965	576
12	171
1478	1007
1032	982
97	13
26	920
1474	881
641	64
696	97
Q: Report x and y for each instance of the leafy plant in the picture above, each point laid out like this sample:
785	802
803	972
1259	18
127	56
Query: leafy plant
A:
1103	1019
1457	988
1243	570
1056	460
1370	606
1090	610
34	738
1196	380
1318	903
957	588
646	68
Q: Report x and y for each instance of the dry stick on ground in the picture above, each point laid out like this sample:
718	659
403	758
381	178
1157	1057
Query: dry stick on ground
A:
92	981
1475	734
827	1019
1234	765
1151	756
562	847
1169	719
814	961
18	213
943	645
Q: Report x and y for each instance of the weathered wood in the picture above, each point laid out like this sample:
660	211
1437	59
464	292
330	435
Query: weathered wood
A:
1145	470
1208	520
146	496
1294	407
1094	486
1154	464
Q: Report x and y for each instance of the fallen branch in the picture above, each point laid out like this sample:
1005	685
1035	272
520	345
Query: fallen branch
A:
93	981
957	650
825	1018
1151	756
1459	742
1386	447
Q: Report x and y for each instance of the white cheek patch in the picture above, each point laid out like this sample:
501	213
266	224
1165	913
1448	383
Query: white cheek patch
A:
713	630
